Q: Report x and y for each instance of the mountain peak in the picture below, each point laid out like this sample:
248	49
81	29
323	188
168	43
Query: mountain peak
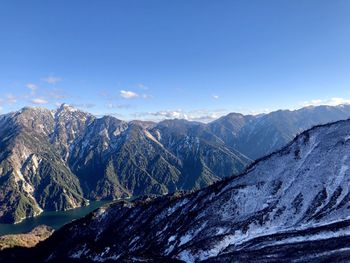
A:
67	107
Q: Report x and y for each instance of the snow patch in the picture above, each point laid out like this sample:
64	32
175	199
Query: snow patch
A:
186	256
224	243
176	206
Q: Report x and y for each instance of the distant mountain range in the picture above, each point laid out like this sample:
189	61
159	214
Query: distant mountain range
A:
58	160
290	206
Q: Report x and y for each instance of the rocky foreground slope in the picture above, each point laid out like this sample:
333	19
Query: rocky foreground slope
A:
293	206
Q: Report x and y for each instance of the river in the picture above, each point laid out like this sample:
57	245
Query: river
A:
54	219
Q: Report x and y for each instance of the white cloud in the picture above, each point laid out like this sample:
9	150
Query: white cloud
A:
119	106
257	111
56	94
206	116
146	96
84	105
168	114
142	86
32	87
52	79
11	99
127	94
200	115
39	101
330	102
114	114
216	97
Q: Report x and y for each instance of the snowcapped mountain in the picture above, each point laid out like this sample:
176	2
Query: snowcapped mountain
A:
58	160
291	205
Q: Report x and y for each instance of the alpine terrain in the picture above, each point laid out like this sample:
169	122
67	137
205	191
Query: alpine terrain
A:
61	159
292	205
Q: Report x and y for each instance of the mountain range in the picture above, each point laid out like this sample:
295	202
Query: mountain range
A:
290	206
60	159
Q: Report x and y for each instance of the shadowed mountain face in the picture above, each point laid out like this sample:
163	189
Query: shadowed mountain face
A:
291	205
56	160
256	136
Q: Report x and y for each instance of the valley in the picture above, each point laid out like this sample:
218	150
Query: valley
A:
58	160
290	205
53	219
193	131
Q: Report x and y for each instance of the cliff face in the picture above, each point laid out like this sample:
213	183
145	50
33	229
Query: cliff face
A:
33	175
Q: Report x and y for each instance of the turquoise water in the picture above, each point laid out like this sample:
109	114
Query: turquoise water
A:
54	219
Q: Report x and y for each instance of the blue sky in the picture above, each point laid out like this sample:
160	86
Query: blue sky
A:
154	59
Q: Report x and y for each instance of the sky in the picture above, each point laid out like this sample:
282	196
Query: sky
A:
156	59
